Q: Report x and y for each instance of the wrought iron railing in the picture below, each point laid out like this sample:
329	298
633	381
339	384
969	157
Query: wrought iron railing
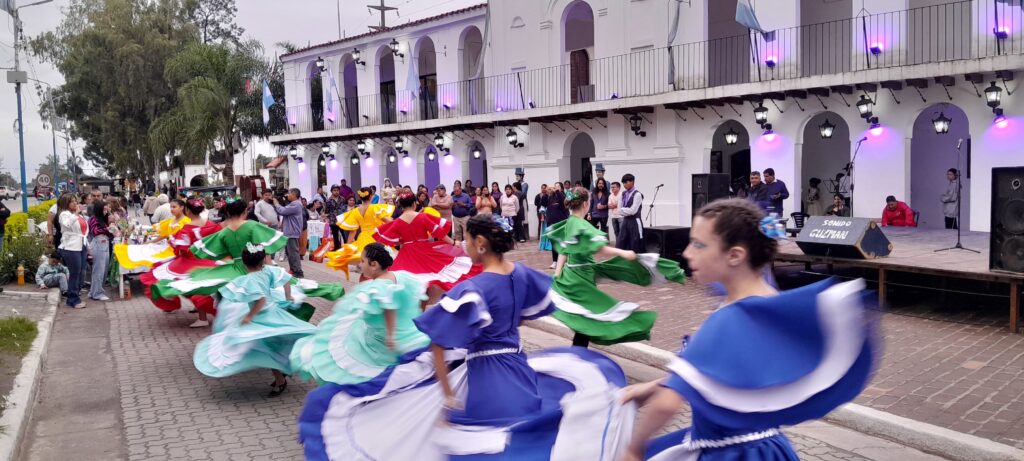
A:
970	29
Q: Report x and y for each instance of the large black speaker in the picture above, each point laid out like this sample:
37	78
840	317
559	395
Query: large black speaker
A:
667	241
836	237
709	187
1006	240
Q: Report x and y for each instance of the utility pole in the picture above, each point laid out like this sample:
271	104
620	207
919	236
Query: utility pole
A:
17	77
382	8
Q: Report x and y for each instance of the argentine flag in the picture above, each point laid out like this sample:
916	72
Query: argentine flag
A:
268	100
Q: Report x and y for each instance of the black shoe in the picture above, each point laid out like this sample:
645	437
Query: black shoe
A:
278	390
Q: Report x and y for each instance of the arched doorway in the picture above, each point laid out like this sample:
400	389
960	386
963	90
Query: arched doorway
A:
728	51
391	169
316	97
426	60
730	154
581	150
431	169
578	38
198	180
470	49
477	164
931	154
386	82
350	85
355	175
825	159
321	173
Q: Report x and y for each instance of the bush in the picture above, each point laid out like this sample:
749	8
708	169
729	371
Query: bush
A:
25	249
17	224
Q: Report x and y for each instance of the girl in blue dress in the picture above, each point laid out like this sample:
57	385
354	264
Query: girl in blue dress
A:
256	325
501	404
765	359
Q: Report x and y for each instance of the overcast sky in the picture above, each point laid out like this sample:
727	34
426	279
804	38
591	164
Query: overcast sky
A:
269	21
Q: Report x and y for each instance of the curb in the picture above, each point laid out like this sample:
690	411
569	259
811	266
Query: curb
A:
26	384
915	434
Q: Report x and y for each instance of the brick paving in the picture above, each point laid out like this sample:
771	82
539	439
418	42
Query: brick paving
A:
956	368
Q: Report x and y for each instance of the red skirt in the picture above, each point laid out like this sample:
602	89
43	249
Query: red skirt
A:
177	269
436	263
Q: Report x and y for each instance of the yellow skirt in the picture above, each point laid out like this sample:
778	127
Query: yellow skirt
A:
147	254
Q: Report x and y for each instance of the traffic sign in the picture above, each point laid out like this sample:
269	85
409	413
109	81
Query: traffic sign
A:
43	179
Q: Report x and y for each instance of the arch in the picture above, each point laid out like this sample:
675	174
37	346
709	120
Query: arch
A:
386	84
577	48
391	159
731	159
825	159
426	64
316	97
354	175
198	180
580	150
470	53
349	82
931	154
477	165
431	168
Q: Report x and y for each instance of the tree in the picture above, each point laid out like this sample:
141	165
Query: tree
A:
112	54
215	111
215	20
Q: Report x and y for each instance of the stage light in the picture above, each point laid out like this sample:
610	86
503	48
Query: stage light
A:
876	48
1002	32
865	106
993	95
771	61
731	137
761	114
769	135
1000	121
941	124
826	129
876	128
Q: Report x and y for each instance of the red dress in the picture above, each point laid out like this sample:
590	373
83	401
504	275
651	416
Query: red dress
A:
179	267
435	262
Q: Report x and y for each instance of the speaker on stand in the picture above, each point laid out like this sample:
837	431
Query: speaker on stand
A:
1006	240
708	187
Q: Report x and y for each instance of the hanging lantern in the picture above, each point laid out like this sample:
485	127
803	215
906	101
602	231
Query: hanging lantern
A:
361	146
399	144
731	137
826	129
865	106
476	153
761	114
320	64
431	156
439	141
993	95
325	148
941	124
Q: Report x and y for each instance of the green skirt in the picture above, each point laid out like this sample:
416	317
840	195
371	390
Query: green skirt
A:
207	281
589	311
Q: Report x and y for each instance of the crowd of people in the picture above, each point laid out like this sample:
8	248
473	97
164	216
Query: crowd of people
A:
432	327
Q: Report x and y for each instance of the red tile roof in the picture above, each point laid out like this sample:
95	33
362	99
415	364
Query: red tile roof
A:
400	26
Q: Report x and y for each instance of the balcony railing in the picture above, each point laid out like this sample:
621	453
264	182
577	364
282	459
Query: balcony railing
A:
932	34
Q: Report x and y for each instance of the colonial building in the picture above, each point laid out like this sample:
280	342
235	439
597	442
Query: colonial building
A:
871	96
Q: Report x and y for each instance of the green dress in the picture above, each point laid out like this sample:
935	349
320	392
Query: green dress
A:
231	243
348	347
585	308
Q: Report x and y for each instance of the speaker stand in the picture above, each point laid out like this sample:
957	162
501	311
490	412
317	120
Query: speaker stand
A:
959	195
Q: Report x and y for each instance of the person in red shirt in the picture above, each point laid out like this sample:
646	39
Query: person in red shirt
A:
897	213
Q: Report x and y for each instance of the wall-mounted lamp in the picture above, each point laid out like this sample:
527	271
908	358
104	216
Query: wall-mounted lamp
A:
392	157
355	57
394	48
826	129
399	145
361	146
439	141
731	137
865	106
635	123
354	158
293	151
941	124
993	95
325	148
513	138
320	64
761	114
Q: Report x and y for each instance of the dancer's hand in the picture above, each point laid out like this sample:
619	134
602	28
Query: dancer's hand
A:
247	319
452	403
639	392
630	255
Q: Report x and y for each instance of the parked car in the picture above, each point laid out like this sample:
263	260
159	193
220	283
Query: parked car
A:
7	193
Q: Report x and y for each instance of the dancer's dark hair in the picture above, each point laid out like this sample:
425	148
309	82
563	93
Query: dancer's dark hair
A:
253	259
235	208
378	253
406	200
738	223
500	240
576	197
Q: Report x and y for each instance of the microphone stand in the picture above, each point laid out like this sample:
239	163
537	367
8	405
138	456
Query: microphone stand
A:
650	209
849	171
959	196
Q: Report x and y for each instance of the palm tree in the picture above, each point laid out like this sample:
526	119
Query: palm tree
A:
215	105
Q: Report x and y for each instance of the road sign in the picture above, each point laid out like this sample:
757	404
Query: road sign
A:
43	179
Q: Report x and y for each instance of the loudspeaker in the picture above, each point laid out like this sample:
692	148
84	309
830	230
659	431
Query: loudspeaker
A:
836	237
1006	240
709	187
667	241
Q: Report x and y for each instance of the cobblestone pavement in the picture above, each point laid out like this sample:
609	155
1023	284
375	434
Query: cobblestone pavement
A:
171	411
955	369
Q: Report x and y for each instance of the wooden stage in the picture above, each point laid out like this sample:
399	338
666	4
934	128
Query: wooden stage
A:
914	252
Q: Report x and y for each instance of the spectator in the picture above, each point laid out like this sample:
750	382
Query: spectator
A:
462	210
599	205
509	205
4	214
950	199
376	198
897	214
757	193
71	246
540	202
442	202
266	212
614	199
521	227
631	235
520	174
422	200
149	207
292	222
319	195
556	213
99	248
838	207
485	203
814	207
344	191
388	192
566	185
495	192
776	192
214	215
468	187
163	211
599	174
53	274
333	207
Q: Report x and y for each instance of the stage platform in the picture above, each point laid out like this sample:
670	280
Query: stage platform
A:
914	252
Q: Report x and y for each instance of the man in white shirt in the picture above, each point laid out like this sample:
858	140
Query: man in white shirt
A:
267	214
163	211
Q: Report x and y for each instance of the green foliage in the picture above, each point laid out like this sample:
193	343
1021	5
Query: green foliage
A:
22	249
17	224
17	334
215	20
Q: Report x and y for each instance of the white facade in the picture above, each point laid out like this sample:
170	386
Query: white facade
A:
530	79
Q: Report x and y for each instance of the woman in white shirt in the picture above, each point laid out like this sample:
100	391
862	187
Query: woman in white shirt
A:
73	229
614	213
509	204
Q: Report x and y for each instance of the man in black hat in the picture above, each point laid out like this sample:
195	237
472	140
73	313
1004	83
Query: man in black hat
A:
631	235
599	174
522	231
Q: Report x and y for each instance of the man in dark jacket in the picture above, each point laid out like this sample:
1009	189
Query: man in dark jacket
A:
540	201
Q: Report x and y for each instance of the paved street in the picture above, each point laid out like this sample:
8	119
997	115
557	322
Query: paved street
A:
167	410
